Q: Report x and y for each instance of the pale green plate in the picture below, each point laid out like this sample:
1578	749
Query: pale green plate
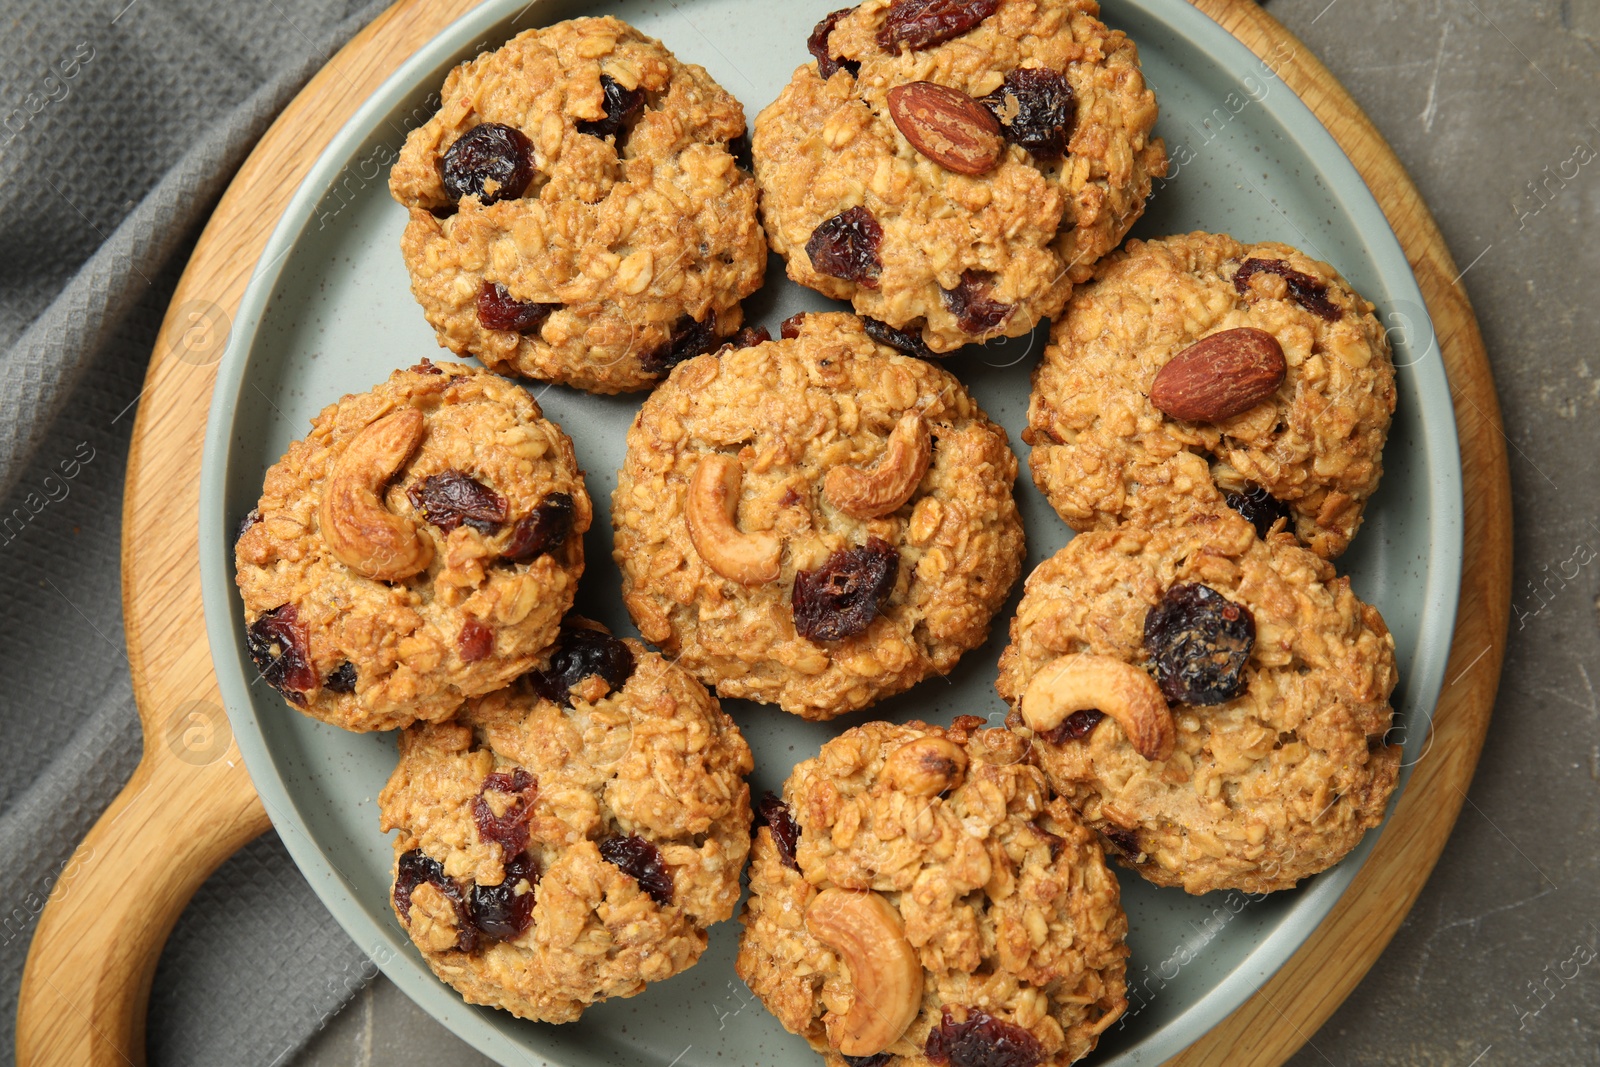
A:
330	312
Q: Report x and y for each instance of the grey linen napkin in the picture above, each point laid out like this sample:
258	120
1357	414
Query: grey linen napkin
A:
120	126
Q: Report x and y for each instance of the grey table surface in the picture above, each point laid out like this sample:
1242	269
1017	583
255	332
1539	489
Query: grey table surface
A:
1494	108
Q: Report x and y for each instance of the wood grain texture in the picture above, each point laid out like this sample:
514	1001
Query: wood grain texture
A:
88	974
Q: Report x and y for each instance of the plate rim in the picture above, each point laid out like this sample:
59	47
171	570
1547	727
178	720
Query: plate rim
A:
1313	140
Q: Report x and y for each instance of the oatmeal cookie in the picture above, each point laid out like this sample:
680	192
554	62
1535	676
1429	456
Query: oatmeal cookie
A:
1215	704
954	168
570	838
1310	451
916	897
817	521
418	547
576	213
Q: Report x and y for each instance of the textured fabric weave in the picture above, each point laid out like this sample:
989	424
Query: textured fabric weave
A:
120	126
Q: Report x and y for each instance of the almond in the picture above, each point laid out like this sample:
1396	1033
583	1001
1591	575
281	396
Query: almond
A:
1220	376
947	126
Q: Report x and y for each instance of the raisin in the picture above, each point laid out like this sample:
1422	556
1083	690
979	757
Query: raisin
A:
416	867
499	911
976	312
544	529
748	337
881	1059
498	311
846	246
1259	506
510	830
277	643
1125	840
789	328
900	340
920	24
774	814
687	339
640	860
449	499
982	1041
342	680
817	45
580	653
1306	290
245	523
1200	643
841	598
491	161
1036	110
1074	727
623	108
475	641
426	367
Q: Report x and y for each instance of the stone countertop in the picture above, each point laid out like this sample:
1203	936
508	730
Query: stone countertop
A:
1494	108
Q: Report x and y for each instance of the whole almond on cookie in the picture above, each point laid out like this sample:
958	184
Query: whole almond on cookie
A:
1220	376
947	126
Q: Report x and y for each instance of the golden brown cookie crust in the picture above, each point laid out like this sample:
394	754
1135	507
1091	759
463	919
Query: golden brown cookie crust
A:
1036	226
1261	791
404	638
656	758
1002	893
629	243
790	411
1104	455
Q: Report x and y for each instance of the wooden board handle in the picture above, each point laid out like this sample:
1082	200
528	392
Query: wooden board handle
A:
86	984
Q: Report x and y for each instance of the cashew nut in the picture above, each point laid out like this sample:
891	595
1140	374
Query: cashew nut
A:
712	510
864	929
361	533
926	767
872	494
1081	682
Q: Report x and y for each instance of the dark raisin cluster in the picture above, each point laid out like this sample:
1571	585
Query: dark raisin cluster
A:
841	598
1199	642
1306	290
579	653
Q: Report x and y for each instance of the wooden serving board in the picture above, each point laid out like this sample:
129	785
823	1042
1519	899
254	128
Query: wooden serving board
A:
87	980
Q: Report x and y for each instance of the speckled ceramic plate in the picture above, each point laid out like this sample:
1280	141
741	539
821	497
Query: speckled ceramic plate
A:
329	312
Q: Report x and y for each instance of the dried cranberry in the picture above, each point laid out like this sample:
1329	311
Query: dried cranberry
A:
1074	727
277	643
342	680
491	153
774	813
687	340
509	830
250	519
817	45
900	340
789	328
623	108
580	653
982	1041
920	24
1036	110
846	246
1125	840
977	313
416	867
1259	506
840	598
641	860
451	498
881	1059
498	311
748	337
545	529
1200	643
499	911
475	641
1306	290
